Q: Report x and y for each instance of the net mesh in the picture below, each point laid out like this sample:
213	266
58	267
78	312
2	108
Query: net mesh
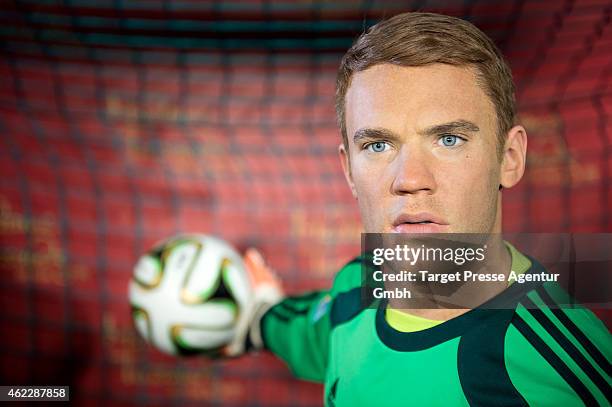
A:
125	122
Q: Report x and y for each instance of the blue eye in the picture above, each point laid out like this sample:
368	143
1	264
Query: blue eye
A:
377	147
450	140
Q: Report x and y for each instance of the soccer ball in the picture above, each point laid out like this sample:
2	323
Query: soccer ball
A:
188	293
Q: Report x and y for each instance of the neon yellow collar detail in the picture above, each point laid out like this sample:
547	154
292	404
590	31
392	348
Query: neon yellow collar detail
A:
403	322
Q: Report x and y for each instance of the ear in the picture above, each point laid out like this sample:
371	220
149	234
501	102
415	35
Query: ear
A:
346	168
514	158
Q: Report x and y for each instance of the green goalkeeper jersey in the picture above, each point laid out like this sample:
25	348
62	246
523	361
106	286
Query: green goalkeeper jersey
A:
528	352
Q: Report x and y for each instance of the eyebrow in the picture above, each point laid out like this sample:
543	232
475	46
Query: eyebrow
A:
450	127
444	128
374	133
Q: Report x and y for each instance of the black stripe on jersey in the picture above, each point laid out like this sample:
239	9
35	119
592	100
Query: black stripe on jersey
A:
292	309
554	360
568	347
275	312
331	396
481	364
588	345
346	306
298	305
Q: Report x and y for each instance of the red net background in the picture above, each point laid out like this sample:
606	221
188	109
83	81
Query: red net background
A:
125	122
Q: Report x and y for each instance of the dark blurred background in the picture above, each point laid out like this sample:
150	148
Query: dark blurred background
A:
124	122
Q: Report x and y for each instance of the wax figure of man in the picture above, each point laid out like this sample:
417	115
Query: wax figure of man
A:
429	142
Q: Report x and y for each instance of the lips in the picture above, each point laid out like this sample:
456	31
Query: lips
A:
419	223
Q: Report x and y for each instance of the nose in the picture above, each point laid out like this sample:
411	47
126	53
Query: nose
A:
413	172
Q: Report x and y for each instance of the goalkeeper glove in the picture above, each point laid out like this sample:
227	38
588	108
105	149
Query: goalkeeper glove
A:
267	292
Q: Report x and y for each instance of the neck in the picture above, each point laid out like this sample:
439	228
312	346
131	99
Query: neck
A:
477	293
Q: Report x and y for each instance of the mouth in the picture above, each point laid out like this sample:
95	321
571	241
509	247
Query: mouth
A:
419	223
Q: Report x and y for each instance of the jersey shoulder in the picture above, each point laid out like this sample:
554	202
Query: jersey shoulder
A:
349	277
554	341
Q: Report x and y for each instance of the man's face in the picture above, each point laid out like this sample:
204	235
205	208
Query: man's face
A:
422	150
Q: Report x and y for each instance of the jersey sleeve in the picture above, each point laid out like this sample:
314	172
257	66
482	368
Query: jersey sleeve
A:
297	330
